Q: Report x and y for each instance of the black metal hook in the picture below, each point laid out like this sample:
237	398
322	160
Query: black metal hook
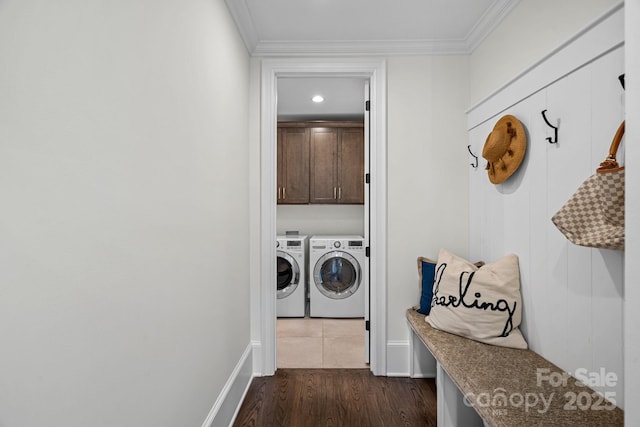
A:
621	78
553	140
475	166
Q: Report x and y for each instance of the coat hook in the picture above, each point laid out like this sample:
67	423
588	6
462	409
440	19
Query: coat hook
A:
475	166
621	78
553	140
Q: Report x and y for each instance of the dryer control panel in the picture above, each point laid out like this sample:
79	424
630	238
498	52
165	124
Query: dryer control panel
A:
352	245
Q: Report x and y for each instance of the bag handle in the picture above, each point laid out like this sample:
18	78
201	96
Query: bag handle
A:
610	164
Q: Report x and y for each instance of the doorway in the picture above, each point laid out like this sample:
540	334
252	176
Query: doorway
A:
321	147
373	71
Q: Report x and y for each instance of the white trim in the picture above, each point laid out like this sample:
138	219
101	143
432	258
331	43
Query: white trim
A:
227	405
397	358
631	314
490	20
375	71
242	17
257	358
305	48
598	38
268	130
270	48
410	358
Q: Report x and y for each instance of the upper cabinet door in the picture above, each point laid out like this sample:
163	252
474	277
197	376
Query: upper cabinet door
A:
323	181
351	166
293	165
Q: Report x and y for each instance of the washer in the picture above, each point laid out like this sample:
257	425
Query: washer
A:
336	276
291	282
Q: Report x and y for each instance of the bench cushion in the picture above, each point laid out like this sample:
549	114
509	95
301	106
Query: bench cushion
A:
485	372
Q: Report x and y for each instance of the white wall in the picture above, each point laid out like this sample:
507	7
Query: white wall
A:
123	228
320	219
572	296
427	172
530	31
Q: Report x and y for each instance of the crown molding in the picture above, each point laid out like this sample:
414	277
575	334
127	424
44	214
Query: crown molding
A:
360	47
274	48
488	21
242	17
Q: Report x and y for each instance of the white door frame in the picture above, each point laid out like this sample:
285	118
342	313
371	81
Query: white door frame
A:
375	71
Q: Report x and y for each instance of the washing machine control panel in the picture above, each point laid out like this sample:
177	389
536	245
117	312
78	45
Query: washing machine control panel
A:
349	244
355	245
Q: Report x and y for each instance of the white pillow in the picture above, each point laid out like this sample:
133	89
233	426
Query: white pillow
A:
480	303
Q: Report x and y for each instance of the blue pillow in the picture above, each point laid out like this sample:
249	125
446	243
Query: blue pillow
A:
426	271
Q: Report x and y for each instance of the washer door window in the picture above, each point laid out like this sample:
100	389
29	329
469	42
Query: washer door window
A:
288	275
337	275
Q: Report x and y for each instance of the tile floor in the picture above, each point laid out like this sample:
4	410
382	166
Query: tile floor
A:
320	343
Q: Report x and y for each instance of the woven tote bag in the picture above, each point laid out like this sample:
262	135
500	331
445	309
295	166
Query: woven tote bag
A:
594	215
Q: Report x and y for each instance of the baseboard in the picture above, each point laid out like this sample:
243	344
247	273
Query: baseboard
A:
407	359
226	407
397	358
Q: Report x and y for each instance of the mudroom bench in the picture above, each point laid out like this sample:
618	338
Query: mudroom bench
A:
506	386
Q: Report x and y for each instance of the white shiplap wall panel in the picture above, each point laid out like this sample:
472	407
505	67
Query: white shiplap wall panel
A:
569	99
572	296
535	319
524	206
475	193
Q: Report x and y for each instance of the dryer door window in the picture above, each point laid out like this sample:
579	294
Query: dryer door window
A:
337	275
288	275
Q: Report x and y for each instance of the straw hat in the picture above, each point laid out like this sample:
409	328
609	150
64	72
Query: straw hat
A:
504	148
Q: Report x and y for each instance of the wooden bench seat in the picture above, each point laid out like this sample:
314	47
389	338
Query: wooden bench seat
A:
529	383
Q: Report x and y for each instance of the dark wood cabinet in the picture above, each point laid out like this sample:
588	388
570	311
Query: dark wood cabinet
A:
323	169
351	166
334	162
293	165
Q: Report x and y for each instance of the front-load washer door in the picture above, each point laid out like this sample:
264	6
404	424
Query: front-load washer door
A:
337	275
288	274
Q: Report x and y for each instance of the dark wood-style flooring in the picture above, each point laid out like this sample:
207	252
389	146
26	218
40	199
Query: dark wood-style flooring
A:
337	397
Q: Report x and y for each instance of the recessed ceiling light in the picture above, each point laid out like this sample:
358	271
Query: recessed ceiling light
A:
318	98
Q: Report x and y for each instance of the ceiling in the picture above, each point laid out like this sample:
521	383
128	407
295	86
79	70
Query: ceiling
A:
343	99
356	28
375	27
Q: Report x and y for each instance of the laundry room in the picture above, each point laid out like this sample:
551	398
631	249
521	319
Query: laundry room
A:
322	279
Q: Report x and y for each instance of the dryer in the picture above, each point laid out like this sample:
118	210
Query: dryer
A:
336	276
291	281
